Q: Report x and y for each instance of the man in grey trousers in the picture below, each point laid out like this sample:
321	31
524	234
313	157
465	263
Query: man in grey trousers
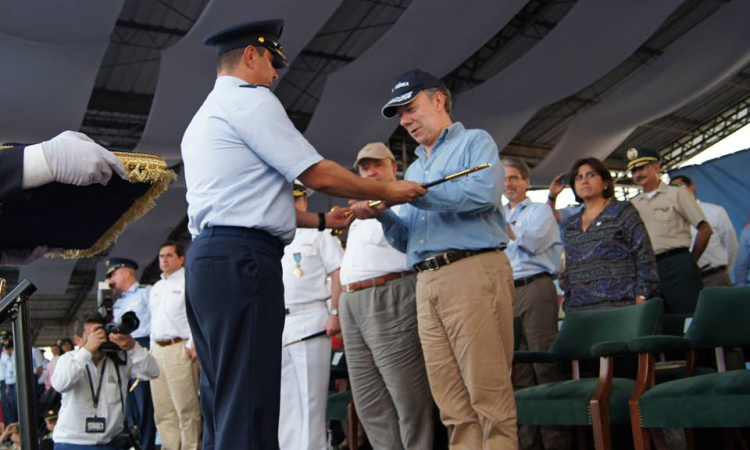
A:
379	321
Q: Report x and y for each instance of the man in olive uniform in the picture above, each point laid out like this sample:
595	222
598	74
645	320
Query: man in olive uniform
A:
668	212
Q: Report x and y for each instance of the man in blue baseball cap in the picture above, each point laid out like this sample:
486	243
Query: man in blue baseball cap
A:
241	153
454	238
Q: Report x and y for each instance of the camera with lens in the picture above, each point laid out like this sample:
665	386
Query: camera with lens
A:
128	323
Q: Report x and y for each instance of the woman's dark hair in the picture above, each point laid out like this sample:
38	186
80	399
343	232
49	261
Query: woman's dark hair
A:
68	341
599	168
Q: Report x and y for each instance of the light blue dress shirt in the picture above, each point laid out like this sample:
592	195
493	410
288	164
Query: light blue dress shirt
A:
135	299
742	267
9	368
241	152
462	214
537	247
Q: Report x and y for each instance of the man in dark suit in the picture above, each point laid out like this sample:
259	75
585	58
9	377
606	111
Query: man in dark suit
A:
69	158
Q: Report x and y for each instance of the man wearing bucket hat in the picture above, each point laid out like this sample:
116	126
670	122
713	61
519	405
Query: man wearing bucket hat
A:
668	211
454	237
241	153
379	321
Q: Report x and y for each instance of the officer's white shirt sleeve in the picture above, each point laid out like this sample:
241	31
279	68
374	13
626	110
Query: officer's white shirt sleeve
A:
273	137
330	252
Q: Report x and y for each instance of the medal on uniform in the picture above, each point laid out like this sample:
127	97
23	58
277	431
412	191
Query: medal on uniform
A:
298	270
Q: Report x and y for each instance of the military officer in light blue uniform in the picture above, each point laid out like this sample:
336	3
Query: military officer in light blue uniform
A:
241	153
121	276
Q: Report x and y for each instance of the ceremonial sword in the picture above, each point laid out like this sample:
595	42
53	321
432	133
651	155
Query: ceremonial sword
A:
314	335
452	176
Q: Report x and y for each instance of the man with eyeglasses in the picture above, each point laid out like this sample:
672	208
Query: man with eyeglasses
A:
668	212
535	253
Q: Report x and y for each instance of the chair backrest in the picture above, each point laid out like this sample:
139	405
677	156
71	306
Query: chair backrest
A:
582	329
722	318
674	324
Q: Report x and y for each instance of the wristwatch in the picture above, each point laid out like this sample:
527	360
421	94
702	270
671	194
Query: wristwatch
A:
335	312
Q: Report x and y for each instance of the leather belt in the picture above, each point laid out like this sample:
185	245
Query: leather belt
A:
672	252
449	257
712	270
377	281
528	280
169	342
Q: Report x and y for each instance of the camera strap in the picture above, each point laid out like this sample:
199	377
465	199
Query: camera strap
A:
122	400
95	396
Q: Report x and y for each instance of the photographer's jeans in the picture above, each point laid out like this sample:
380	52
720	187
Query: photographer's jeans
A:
235	306
63	446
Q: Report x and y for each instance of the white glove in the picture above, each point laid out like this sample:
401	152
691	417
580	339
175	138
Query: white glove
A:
24	257
73	158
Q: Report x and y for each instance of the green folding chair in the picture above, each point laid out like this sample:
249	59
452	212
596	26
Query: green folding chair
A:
718	400
583	402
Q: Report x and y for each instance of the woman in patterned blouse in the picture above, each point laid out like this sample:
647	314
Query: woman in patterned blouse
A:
609	261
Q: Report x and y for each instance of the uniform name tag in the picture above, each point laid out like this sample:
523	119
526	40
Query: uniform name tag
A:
95	424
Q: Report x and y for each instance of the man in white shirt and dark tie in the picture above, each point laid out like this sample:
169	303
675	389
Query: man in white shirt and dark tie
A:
175	393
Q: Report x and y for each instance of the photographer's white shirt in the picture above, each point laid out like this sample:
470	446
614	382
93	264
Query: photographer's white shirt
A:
70	379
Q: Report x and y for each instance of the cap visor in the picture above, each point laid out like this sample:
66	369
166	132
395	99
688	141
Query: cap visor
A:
389	110
640	163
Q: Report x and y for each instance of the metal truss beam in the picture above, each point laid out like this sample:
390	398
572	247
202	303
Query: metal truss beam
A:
706	135
328	56
150	28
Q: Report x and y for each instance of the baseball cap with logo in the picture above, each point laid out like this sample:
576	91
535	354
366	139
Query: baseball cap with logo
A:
406	87
373	150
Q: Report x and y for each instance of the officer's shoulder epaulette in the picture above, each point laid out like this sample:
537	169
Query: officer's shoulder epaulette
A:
253	86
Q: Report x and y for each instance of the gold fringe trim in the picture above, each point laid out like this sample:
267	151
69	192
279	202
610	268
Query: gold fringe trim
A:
2	287
142	168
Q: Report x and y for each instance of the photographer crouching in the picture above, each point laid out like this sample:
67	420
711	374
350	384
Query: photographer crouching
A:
93	381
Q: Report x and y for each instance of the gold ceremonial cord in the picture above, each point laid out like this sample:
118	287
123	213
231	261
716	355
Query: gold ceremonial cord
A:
2	287
142	168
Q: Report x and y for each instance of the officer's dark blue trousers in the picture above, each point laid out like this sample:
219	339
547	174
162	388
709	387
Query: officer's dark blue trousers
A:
140	408
235	307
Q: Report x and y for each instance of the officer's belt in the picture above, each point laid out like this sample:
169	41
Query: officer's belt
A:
299	307
672	252
377	281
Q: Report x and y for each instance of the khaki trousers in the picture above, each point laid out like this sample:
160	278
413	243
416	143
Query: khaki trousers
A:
537	306
465	315
175	395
